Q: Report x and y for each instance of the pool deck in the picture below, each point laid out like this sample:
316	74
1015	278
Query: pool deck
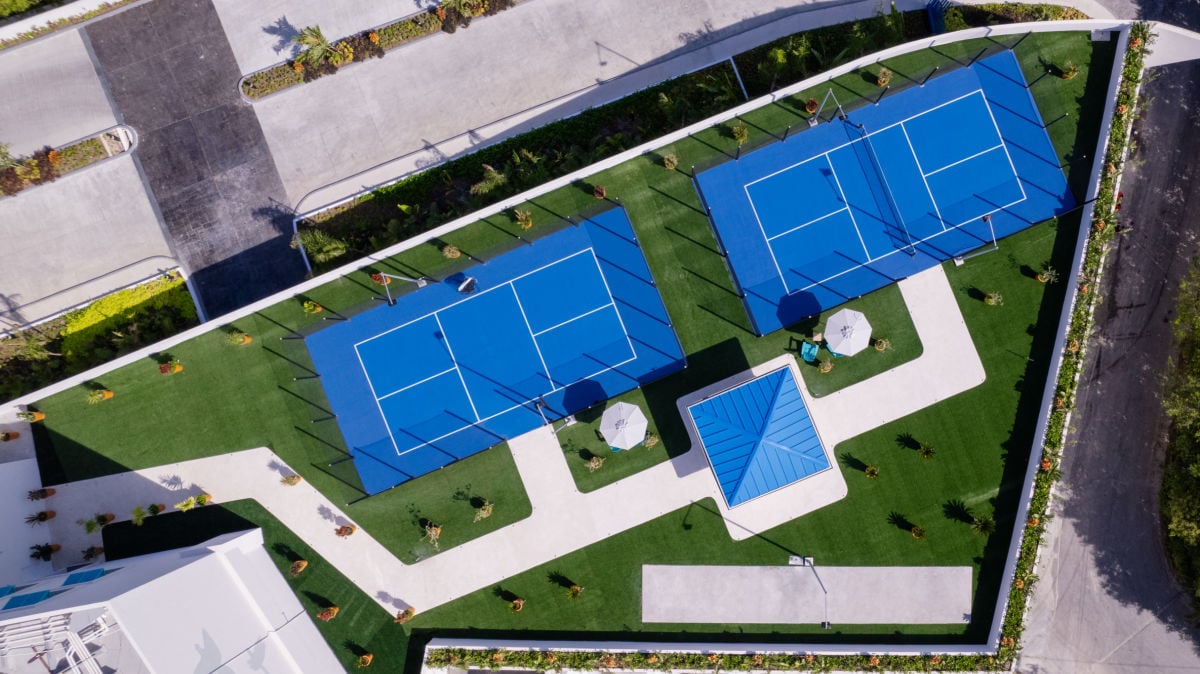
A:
563	519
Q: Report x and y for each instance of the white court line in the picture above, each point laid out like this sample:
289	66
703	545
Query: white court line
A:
893	252
852	220
529	329
956	163
810	222
614	303
503	412
932	198
405	388
774	260
570	320
478	294
1011	165
876	131
467	391
533	336
629	342
376	398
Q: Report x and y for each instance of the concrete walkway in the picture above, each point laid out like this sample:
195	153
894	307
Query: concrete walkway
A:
563	520
844	595
947	348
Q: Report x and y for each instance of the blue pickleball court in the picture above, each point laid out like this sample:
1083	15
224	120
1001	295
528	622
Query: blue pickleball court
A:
550	329
858	203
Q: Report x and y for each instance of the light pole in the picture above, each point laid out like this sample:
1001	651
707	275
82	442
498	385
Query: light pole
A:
391	301
796	560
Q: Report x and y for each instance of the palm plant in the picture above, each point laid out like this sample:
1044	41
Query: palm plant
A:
983	525
491	180
316	48
925	451
6	159
741	134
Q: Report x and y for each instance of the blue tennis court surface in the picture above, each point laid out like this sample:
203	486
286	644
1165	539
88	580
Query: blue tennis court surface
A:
851	206
571	320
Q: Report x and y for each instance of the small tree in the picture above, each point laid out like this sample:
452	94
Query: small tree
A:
316	48
1069	70
320	246
139	516
595	463
575	591
925	451
884	77
983	525
485	510
918	532
451	252
1048	274
491	180
871	472
741	134
882	345
298	567
7	161
993	299
670	161
404	616
523	217
328	613
433	533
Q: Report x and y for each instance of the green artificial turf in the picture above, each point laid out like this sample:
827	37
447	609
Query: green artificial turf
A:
231	398
361	626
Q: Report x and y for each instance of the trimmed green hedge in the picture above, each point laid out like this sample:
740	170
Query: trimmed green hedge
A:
113	325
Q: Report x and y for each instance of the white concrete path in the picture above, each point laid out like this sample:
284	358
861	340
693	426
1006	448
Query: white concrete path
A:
843	595
563	519
947	366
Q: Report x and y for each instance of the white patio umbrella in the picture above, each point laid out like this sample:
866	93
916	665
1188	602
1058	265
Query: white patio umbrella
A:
623	426
847	332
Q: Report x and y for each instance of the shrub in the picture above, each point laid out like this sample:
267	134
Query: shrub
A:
129	318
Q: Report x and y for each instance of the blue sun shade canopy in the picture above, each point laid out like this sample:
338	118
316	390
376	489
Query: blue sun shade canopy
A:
758	436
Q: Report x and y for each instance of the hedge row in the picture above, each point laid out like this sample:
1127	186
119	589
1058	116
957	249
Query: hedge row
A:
116	324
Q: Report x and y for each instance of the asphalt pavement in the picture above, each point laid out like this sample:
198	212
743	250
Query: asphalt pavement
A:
1107	601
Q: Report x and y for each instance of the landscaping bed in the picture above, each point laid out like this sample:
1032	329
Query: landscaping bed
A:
48	164
448	16
116	324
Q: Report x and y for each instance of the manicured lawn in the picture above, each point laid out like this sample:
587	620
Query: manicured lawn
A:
232	398
889	319
361	626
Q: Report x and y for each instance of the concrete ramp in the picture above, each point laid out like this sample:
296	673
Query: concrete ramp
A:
843	595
